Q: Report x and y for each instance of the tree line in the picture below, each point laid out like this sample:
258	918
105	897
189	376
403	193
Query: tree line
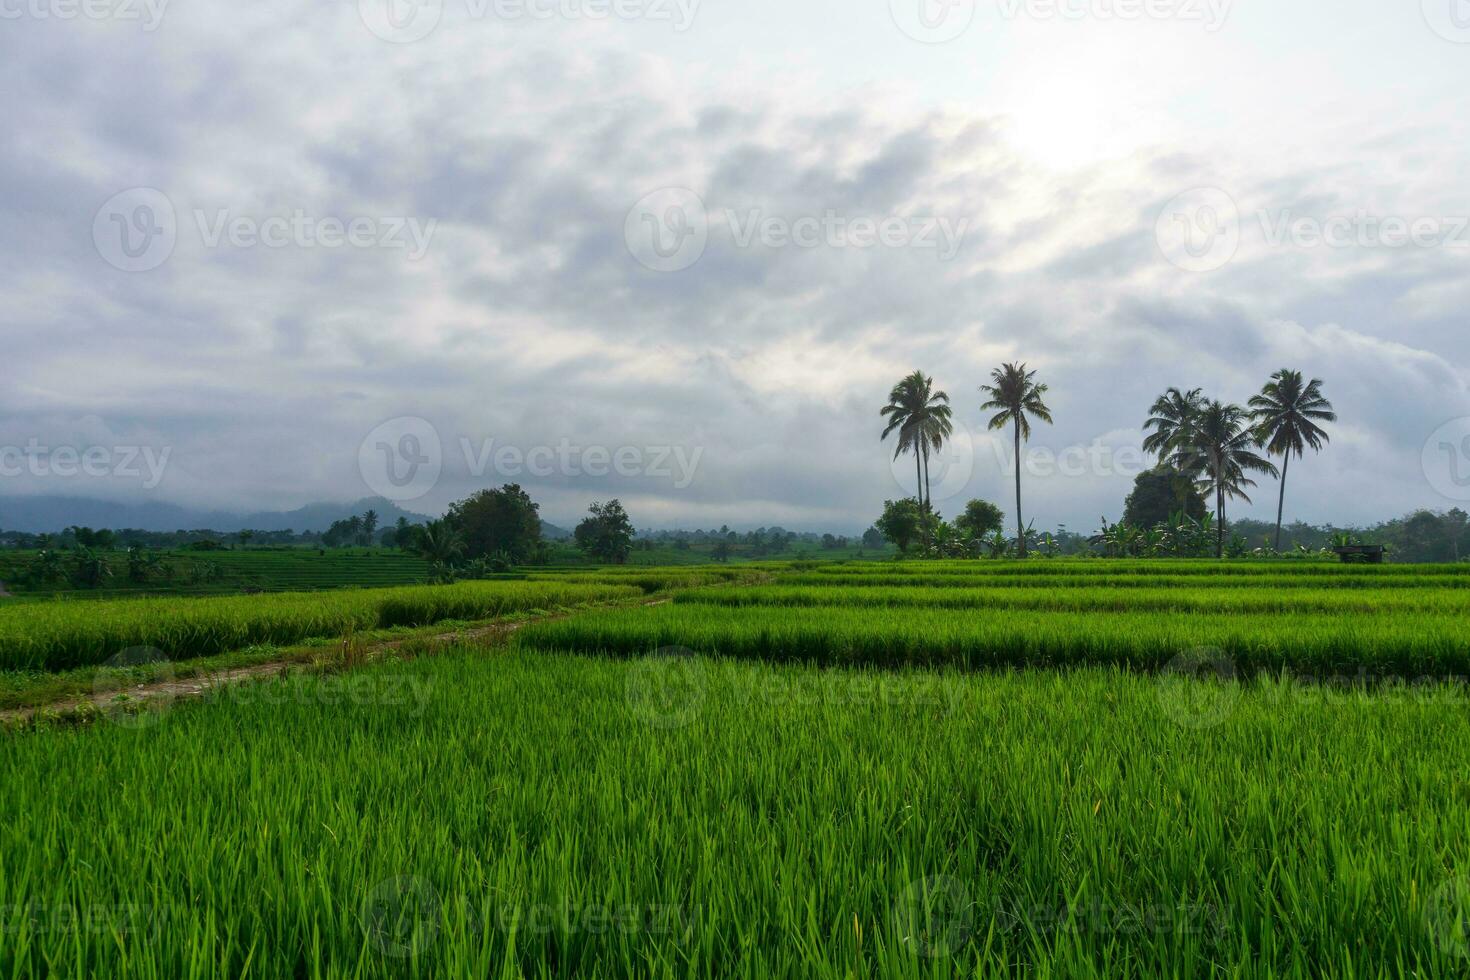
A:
1204	447
495	529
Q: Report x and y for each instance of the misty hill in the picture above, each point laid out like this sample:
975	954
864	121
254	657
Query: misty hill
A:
37	515
42	515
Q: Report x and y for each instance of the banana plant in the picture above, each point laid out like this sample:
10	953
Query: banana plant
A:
91	568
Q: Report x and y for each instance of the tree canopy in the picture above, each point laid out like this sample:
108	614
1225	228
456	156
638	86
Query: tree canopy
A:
606	534
498	521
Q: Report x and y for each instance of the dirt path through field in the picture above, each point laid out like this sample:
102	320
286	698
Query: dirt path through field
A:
163	692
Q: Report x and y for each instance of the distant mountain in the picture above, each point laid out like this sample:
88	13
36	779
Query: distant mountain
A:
37	515
48	515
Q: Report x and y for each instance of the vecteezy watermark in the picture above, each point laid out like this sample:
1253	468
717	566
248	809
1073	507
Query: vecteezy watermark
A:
406	21
949	468
307	231
677	464
149	13
1446	459
937	694
932	21
403	458
1093	459
1201	230
1212	14
595	918
400	915
666	689
1450	19
1363	230
938	21
145	463
403	915
1339	689
934	916
834	230
119	704
1100	918
376	689
1198	688
669	230
1447	916
137	230
126	919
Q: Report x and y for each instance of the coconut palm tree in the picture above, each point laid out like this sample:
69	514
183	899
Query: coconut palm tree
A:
1015	395
1285	413
921	416
439	542
1170	418
1220	450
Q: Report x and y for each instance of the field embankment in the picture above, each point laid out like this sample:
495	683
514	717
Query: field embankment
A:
63	634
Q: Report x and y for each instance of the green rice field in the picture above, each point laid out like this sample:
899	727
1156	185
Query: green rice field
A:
1044	768
283	569
61	634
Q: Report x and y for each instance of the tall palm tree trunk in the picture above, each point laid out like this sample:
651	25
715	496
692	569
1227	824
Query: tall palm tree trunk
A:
1281	497
1219	520
928	493
1020	525
919	476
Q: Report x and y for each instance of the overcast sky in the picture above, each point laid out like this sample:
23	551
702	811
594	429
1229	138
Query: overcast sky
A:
678	251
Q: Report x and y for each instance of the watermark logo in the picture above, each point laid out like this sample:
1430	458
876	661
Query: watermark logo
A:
147	12
932	21
1363	230
401	459
935	916
1210	13
401	915
401	21
375	689
667	230
406	21
1071	462
1447	914
834	230
149	666
1450	19
1199	230
308	231
145	463
136	229
1198	689
950	467
1446	459
676	464
667	688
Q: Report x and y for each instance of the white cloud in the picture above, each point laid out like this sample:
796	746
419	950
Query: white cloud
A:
529	321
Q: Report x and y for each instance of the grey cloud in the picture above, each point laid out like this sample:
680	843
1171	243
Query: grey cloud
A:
529	321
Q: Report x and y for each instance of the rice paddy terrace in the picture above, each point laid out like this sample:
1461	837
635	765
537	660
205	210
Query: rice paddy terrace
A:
1047	768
